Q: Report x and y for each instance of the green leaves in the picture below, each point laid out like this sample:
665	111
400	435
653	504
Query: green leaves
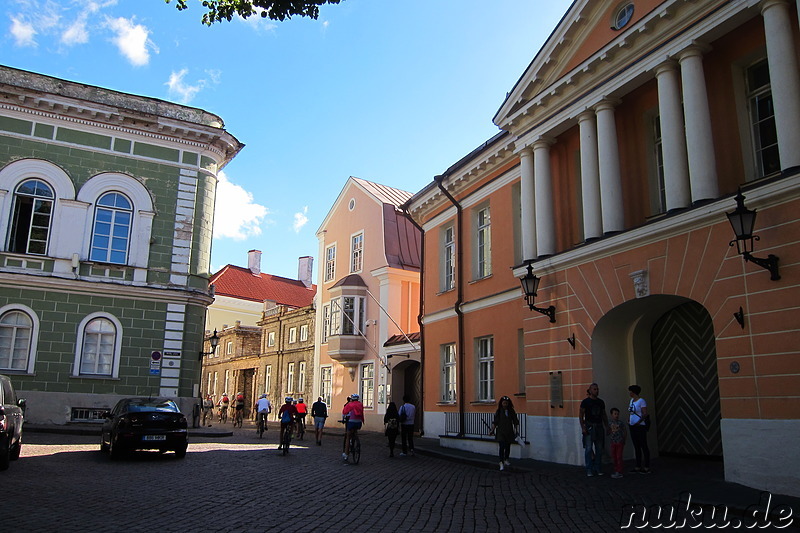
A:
219	10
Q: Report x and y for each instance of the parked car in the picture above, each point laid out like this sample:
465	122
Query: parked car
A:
144	424
12	411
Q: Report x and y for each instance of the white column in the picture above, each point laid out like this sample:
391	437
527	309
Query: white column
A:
608	156
784	79
545	223
527	204
590	177
699	139
673	140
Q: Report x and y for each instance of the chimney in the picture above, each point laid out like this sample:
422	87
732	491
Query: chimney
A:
304	267
254	262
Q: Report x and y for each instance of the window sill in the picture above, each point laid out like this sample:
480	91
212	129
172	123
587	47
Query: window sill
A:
482	402
444	404
105	378
10	372
478	280
445	291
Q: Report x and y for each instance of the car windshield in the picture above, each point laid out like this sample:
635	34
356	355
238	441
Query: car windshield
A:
148	406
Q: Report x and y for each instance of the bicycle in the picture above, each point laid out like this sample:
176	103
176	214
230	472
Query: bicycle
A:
223	415
261	420
238	416
287	438
301	427
355	444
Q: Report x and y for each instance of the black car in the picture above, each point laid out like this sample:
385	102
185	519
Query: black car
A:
144	424
12	412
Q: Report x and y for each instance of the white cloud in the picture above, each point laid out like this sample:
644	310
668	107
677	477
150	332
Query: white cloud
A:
132	40
76	33
236	216
300	220
257	22
184	92
23	32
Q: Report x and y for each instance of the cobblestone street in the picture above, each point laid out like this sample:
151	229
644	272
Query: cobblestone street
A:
240	483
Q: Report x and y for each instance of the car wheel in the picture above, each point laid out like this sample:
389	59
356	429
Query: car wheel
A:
16	451
5	454
103	445
113	451
180	453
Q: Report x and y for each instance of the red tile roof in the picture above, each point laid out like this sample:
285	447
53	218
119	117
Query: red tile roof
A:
238	282
401	339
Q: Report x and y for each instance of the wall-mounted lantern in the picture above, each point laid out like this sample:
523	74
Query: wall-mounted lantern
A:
743	221
530	286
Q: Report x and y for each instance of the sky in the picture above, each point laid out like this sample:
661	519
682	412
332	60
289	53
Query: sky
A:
391	91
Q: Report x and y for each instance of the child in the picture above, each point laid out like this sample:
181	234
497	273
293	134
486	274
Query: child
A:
618	435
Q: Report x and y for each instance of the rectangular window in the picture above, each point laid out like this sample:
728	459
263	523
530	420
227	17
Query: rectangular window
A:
326	322
484	243
268	379
271	339
336	314
301	376
304	333
330	262
290	378
357	253
208	383
292	335
762	119
448	259
229	349
216	389
325	384
448	373
367	388
353	316
485	352
227	380
659	198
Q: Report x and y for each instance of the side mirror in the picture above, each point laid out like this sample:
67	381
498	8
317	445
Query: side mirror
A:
22	404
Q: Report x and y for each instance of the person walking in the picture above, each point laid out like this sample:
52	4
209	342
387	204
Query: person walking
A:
618	436
594	427
208	407
505	428
319	412
638	425
392	422
407	413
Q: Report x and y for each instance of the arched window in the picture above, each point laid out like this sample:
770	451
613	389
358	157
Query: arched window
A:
16	330
30	224
98	347
112	229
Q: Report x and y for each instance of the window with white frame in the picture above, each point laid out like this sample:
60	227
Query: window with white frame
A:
208	383
268	379
325	381
483	243
16	338
330	262
367	384
448	373
353	319
216	389
762	119
112	229
30	223
304	333
301	376
227	381
229	348
271	339
98	347
484	348
326	322
336	317
357	253
290	378
292	335
448	255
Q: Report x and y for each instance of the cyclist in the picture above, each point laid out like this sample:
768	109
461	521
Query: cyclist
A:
353	412
320	412
302	411
262	408
239	405
223	404
286	415
208	406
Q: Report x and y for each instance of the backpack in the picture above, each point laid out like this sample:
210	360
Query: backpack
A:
392	424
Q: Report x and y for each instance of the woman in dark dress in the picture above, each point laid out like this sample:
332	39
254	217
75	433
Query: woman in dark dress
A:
505	428
392	421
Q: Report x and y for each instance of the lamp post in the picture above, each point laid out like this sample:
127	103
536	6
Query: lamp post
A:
214	340
530	287
743	221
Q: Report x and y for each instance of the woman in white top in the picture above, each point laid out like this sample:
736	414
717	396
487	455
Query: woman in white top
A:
638	414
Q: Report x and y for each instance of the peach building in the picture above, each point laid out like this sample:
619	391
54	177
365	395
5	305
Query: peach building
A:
367	337
622	148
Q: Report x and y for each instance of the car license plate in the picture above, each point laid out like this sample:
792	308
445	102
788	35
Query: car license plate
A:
154	437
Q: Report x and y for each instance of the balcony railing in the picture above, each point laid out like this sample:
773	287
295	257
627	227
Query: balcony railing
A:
477	425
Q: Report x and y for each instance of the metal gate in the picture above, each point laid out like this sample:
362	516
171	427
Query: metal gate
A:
686	383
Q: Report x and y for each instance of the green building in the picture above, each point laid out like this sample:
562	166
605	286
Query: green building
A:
106	214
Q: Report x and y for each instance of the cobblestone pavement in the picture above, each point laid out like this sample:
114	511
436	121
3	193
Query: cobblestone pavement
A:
240	483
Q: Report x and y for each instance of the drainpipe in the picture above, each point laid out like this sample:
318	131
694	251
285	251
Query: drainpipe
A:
459	300
404	207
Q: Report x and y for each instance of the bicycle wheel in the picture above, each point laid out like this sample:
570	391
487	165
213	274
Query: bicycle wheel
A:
355	449
287	440
260	426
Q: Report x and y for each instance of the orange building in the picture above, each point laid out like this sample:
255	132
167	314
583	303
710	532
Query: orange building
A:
367	339
622	147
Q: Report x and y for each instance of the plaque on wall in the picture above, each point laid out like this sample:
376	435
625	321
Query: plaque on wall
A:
556	390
